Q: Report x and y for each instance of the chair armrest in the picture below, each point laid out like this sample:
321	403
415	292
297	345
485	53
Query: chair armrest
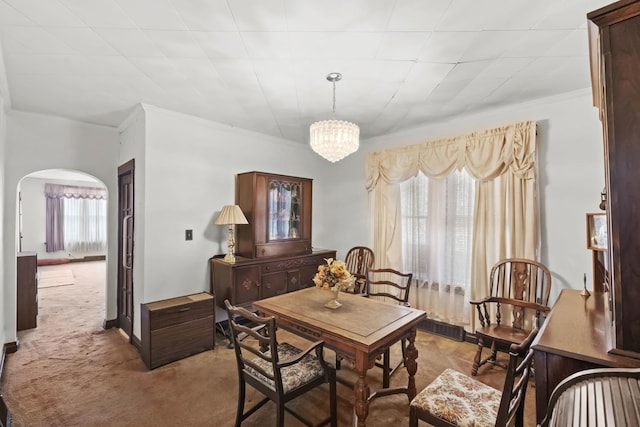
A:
315	347
481	301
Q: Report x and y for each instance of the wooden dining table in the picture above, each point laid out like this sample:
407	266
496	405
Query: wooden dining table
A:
359	332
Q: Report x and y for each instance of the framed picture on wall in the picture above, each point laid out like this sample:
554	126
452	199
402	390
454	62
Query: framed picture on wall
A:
597	231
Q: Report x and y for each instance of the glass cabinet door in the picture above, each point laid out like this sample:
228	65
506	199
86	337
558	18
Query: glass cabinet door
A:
284	199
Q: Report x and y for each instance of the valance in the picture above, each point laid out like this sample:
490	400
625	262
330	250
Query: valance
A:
485	154
76	192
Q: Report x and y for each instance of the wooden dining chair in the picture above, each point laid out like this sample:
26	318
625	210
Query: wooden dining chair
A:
518	288
601	396
391	286
455	399
280	371
359	259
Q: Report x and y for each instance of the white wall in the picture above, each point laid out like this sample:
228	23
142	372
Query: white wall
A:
189	174
571	177
37	142
3	297
34	215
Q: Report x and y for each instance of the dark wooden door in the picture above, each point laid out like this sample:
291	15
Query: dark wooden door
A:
125	247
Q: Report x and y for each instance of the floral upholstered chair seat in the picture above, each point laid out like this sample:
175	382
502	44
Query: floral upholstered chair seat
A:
301	373
460	400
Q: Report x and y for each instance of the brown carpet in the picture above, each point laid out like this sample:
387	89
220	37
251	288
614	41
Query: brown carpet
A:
70	372
48	277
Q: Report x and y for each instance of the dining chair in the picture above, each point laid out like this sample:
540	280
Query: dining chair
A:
392	286
524	286
280	371
455	399
358	260
600	396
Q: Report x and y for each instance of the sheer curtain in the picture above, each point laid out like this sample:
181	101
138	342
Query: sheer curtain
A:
85	225
437	230
502	161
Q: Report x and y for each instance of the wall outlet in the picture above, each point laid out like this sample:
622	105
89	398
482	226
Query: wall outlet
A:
188	234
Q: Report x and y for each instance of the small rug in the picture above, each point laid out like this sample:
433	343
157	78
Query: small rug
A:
50	278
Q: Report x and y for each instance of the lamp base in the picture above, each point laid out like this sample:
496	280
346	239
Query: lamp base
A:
230	258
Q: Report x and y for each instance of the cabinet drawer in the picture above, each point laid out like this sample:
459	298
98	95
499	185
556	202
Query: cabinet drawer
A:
284	248
290	264
179	341
180	313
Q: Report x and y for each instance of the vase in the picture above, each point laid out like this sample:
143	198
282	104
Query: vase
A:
333	302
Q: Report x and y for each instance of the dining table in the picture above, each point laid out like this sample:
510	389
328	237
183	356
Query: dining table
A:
359	331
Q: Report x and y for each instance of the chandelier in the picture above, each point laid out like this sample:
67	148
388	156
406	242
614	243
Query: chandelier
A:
334	139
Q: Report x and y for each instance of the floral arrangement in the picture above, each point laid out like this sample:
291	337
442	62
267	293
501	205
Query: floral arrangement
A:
333	275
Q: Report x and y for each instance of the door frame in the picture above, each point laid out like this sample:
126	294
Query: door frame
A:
127	168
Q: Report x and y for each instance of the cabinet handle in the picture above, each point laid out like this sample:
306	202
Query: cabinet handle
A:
258	284
184	309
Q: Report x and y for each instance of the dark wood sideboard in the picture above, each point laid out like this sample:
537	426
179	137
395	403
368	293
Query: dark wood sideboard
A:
27	290
573	338
175	328
252	279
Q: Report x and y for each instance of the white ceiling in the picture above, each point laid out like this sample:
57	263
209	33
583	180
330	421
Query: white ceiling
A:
261	64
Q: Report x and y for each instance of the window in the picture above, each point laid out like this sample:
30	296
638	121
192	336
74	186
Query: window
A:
437	227
85	225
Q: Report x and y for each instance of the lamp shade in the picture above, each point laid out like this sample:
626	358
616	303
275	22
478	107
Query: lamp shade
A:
231	214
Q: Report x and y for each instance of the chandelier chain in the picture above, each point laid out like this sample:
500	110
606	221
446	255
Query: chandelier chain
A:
334	97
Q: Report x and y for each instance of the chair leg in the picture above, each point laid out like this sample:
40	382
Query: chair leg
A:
477	358
333	404
241	395
386	369
413	417
280	420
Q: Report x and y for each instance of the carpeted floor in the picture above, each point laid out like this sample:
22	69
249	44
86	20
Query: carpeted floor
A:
49	277
70	372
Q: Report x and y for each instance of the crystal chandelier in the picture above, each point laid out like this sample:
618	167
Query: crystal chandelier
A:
334	139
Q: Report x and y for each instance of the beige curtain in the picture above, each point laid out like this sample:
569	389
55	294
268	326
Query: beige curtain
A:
502	160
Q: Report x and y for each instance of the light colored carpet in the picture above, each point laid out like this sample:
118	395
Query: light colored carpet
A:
51	278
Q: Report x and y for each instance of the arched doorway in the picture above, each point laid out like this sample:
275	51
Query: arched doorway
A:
71	285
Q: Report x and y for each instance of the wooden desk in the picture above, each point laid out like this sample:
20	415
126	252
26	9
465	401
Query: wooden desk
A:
572	339
359	331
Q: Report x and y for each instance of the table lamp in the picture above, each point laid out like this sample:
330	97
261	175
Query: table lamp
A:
230	215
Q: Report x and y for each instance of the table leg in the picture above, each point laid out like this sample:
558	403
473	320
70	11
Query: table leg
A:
361	390
411	354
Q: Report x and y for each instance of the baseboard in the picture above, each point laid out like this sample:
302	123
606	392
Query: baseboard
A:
443	329
89	258
471	338
5	416
109	323
135	341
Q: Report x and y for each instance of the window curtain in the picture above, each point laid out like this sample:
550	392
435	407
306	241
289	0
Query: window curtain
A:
54	229
506	215
55	210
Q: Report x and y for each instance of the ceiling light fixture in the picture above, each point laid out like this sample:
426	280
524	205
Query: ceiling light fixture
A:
334	139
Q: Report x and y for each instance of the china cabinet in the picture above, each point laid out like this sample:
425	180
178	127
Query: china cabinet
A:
615	70
278	208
